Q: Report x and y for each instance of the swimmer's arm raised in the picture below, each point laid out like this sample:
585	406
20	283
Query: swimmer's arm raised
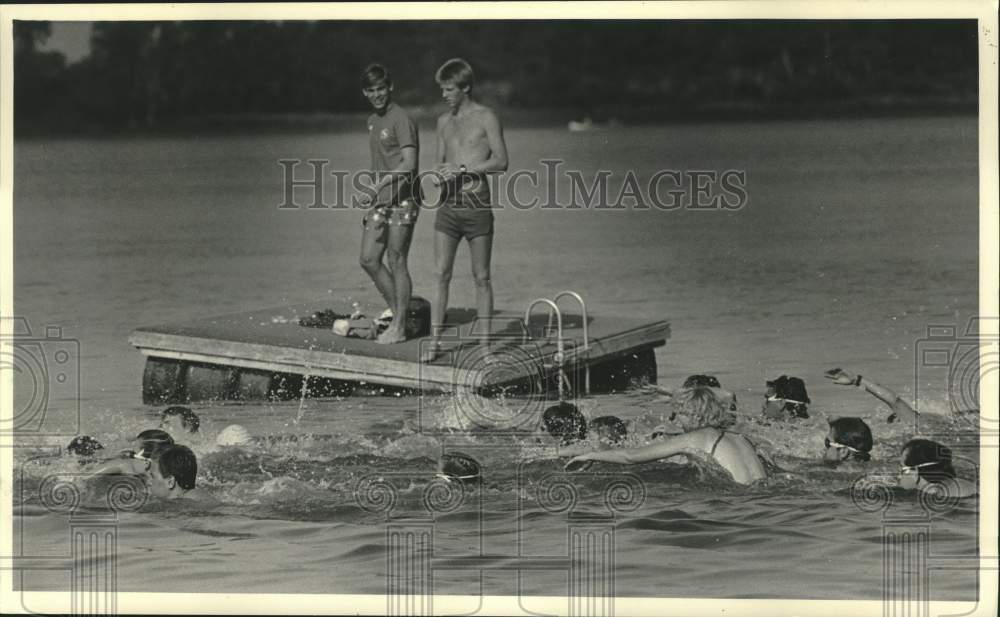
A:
901	410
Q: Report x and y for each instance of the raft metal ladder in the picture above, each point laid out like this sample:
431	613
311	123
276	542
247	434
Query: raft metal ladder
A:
560	356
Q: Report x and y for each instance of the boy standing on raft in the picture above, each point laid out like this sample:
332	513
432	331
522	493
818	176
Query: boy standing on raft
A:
470	145
394	143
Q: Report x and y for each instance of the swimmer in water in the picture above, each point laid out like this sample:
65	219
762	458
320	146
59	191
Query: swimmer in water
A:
150	444
173	474
458	467
693	381
567	424
786	398
179	419
703	418
901	410
169	473
848	440
926	466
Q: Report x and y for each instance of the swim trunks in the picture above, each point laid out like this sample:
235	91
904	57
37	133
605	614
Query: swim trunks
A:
403	213
465	210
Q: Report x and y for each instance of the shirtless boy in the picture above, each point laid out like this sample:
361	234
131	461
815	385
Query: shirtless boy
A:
470	145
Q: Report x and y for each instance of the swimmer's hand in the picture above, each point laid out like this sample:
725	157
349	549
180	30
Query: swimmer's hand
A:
841	377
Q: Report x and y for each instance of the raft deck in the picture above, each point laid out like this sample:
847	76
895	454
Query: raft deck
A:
271	342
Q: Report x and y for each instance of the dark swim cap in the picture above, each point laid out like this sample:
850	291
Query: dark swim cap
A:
84	445
154	441
695	381
565	422
458	466
611	428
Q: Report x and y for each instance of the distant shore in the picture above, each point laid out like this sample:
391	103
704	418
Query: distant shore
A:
514	117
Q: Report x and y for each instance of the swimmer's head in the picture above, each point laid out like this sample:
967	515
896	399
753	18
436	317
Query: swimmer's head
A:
849	439
609	429
700	407
84	446
455	466
173	473
233	435
923	460
786	397
153	441
179	418
565	422
695	381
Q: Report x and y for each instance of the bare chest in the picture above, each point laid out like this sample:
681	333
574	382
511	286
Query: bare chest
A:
464	132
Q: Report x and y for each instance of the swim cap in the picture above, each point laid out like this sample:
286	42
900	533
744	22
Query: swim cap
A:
695	381
458	466
611	428
84	445
565	422
234	435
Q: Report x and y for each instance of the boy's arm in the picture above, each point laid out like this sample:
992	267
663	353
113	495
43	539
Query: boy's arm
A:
439	154
498	147
407	166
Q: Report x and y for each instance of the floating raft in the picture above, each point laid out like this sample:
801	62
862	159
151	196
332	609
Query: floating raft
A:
267	354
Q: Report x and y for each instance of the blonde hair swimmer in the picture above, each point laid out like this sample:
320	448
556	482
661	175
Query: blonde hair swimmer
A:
233	435
703	416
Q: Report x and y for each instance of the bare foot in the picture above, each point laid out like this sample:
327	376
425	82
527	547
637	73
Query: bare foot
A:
431	352
391	336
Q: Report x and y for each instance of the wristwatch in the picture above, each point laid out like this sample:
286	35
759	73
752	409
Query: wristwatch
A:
462	169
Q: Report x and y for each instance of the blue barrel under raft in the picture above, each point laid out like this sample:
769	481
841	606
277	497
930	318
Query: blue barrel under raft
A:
267	355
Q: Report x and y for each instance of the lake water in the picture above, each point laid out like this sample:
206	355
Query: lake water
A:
857	236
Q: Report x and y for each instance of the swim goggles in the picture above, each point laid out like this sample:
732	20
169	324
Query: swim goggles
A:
140	456
777	399
452	478
839	446
910	469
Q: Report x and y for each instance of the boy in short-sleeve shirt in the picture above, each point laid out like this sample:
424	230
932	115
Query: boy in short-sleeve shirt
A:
388	134
394	145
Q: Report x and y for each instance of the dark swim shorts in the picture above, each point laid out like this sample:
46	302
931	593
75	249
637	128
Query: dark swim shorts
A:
460	221
465	212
